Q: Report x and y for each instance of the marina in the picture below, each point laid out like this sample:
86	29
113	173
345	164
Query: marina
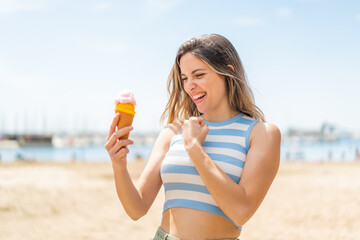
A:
90	148
65	148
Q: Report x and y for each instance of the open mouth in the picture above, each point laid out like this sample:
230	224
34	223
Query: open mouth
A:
199	97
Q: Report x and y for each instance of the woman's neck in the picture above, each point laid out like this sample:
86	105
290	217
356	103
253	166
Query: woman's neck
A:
219	117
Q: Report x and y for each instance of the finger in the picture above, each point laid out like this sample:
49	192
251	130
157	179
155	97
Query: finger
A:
119	145
122	153
116	135
191	119
113	126
196	119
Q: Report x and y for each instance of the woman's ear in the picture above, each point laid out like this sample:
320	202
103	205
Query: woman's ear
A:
231	67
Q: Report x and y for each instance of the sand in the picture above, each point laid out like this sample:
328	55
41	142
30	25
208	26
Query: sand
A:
78	201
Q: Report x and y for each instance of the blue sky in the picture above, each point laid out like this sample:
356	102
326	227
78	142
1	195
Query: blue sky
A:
62	62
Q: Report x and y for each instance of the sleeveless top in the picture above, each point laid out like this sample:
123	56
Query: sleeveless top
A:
227	144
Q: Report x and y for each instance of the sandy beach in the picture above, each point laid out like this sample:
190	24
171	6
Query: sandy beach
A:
78	201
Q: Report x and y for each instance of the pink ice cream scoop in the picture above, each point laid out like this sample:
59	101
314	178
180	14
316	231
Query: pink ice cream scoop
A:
125	105
125	96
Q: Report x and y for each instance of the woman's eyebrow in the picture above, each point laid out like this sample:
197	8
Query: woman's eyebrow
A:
199	69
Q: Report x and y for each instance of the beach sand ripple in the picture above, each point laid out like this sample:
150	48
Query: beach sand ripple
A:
78	201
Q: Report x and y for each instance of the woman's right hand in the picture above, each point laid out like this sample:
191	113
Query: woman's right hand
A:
117	148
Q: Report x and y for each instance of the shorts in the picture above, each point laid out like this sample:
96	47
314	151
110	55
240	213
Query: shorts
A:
162	235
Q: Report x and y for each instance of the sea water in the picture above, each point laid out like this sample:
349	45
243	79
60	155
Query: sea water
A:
340	150
96	153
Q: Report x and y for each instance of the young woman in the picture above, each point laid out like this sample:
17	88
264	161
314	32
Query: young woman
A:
216	158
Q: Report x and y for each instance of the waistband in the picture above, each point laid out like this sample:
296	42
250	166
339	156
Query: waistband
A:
162	235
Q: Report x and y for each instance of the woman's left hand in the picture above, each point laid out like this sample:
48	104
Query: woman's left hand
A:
194	131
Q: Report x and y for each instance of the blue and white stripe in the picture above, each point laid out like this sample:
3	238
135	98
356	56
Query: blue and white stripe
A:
227	144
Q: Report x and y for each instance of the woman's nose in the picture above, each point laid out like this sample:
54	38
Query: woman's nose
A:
189	85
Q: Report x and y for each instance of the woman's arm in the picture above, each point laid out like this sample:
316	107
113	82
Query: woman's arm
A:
137	200
238	201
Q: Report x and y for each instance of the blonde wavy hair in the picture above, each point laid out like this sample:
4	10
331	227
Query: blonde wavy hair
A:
217	52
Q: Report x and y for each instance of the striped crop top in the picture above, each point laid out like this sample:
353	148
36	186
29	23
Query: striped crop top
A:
227	144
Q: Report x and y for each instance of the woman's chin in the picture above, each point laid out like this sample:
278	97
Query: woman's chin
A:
201	110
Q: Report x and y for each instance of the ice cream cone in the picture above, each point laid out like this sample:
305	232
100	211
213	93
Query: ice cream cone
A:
125	105
127	114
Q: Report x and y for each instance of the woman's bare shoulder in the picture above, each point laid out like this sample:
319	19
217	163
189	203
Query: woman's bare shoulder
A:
265	131
174	127
169	131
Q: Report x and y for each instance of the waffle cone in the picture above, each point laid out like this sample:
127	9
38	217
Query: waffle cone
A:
125	121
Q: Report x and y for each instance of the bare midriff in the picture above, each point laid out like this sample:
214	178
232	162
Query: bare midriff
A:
186	223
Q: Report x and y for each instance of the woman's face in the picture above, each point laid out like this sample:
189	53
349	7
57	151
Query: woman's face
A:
204	86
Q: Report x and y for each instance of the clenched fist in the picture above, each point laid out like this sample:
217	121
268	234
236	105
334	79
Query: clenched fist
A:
194	131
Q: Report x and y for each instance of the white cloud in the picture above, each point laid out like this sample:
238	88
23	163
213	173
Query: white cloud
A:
160	7
11	6
102	46
357	17
3	69
101	6
283	12
27	82
12	77
248	22
110	48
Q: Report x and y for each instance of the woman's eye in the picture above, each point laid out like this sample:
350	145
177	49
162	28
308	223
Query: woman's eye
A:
199	75
183	79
